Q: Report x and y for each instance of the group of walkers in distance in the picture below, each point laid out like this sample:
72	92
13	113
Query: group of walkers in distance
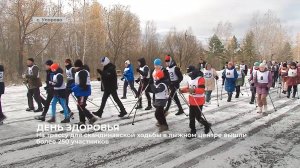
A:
164	80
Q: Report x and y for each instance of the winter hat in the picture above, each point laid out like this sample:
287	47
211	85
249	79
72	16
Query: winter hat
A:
293	64
262	65
54	67
168	58
68	61
127	62
159	74
157	62
284	65
49	62
104	61
256	64
30	59
78	63
191	68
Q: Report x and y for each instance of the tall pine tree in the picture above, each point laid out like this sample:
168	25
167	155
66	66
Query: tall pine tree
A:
216	51
248	49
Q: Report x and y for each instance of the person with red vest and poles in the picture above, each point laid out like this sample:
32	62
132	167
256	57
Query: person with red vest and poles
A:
291	80
196	89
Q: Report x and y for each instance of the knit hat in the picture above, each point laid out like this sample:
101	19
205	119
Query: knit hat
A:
262	65
256	64
49	62
54	67
157	62
127	62
293	64
284	65
104	61
168	58
78	63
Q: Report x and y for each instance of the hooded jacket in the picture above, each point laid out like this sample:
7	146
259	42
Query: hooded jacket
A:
145	72
109	77
82	86
128	73
177	73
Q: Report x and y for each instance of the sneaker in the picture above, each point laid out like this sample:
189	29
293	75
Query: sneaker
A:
93	120
61	112
122	114
2	119
207	128
38	110
251	102
179	112
42	118
123	97
29	109
98	113
51	120
66	120
163	128
148	108
259	110
138	107
191	135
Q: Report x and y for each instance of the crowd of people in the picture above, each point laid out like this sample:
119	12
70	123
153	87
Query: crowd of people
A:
165	82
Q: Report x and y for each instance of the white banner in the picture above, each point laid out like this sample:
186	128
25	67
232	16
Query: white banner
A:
49	19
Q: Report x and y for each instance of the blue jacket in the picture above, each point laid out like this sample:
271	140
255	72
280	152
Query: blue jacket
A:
128	73
79	92
230	82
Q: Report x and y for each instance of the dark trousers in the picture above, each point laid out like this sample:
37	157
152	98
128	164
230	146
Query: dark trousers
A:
83	112
68	92
131	84
46	102
238	91
294	90
274	79
195	114
142	87
253	93
160	116
114	94
34	93
1	113
173	93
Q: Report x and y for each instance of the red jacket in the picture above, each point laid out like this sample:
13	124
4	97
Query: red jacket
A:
197	97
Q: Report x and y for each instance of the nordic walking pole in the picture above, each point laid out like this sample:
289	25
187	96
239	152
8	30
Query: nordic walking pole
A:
202	113
184	99
140	96
272	102
92	103
136	104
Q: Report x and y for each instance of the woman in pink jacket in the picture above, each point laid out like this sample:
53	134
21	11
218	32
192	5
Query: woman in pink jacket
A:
262	83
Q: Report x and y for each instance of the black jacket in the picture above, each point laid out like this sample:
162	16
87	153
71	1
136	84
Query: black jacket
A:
70	82
2	86
49	76
178	74
109	78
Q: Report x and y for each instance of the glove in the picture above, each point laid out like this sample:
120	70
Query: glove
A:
137	81
137	70
99	79
99	71
217	78
46	88
122	78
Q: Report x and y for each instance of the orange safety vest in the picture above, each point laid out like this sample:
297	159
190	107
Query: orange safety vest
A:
198	97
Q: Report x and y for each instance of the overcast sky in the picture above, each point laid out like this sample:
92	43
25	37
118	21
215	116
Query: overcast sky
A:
203	15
